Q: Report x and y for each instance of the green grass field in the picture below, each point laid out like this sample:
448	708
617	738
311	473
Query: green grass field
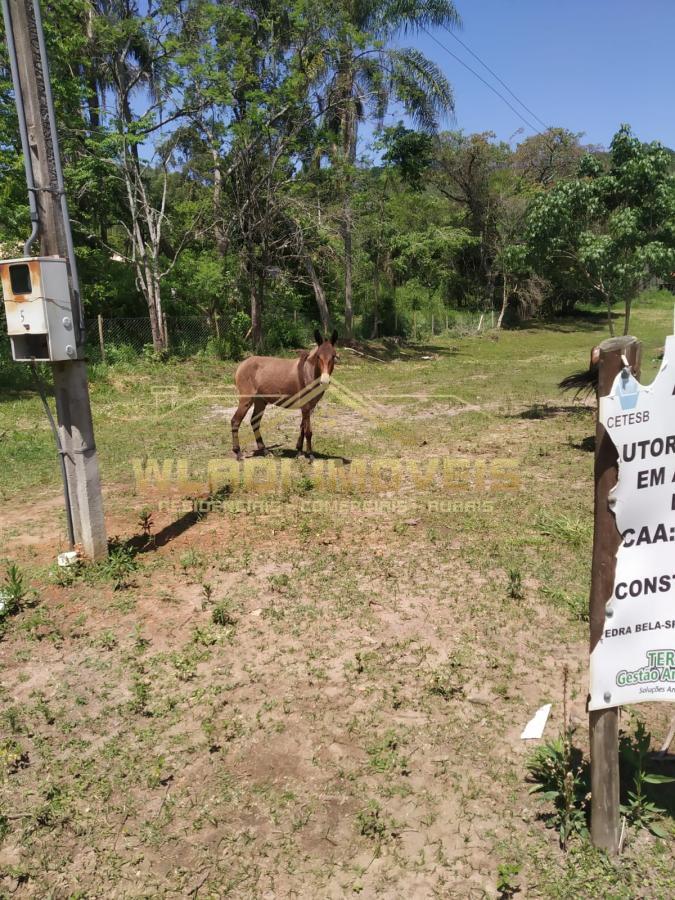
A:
315	686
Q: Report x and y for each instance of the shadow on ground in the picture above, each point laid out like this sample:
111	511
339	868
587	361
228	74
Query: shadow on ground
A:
550	411
389	349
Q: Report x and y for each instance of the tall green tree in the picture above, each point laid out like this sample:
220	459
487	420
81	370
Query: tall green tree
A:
610	228
466	172
365	73
130	59
249	72
546	158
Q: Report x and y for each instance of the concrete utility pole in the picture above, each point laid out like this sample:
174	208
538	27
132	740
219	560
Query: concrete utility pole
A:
76	430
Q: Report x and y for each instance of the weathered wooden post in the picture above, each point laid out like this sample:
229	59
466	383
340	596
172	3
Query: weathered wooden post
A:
432	325
101	342
604	723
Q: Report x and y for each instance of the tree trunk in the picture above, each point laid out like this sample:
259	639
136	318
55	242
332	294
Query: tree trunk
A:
626	324
222	243
505	302
319	294
155	310
93	84
93	105
255	287
150	284
609	315
349	136
155	320
376	305
347	241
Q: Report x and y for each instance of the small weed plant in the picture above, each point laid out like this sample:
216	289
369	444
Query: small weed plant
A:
639	810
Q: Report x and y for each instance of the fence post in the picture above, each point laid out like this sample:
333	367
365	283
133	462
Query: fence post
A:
166	331
432	324
604	723
414	324
100	337
216	322
446	321
395	321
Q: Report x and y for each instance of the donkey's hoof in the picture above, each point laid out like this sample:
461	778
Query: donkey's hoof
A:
310	457
261	451
238	455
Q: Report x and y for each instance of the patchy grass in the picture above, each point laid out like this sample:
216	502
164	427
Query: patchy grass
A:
301	689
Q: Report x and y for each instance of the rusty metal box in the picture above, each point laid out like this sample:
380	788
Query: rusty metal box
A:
38	309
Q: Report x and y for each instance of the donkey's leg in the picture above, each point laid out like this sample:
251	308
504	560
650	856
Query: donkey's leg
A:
307	428
258	410
245	404
301	439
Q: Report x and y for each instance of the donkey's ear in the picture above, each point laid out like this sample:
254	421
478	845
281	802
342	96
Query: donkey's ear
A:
318	337
334	337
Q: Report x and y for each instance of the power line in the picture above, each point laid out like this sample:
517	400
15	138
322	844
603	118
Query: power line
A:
480	78
494	75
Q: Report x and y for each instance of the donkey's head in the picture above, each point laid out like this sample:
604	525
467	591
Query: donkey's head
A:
324	355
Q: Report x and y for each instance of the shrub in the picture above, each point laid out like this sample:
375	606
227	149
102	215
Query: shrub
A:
12	592
562	775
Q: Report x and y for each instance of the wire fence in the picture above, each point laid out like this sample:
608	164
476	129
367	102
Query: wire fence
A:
114	338
419	325
188	335
118	339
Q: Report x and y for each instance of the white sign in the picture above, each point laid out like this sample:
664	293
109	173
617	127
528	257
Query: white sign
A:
634	660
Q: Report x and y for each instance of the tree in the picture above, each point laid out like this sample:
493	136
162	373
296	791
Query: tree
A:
410	153
466	172
130	55
609	228
543	159
428	256
364	73
249	72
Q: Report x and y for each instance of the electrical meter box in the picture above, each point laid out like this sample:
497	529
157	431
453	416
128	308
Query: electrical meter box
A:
38	309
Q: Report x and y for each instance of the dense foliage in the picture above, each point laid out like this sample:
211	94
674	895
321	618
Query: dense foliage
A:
214	166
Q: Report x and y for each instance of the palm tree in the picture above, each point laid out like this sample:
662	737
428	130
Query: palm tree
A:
121	56
367	73
125	58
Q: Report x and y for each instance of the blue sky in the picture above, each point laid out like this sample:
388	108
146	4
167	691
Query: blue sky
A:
586	65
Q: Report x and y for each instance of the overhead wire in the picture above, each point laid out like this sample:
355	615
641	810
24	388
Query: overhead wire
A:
483	80
495	76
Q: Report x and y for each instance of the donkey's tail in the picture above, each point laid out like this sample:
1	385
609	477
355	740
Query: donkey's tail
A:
583	383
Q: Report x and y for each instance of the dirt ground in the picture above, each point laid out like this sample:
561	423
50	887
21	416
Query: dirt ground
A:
314	684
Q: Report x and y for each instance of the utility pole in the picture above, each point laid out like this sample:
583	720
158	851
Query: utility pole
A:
30	75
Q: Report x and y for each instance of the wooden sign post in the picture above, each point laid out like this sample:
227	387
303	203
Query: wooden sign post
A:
604	723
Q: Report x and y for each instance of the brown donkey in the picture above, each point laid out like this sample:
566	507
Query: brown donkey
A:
289	383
